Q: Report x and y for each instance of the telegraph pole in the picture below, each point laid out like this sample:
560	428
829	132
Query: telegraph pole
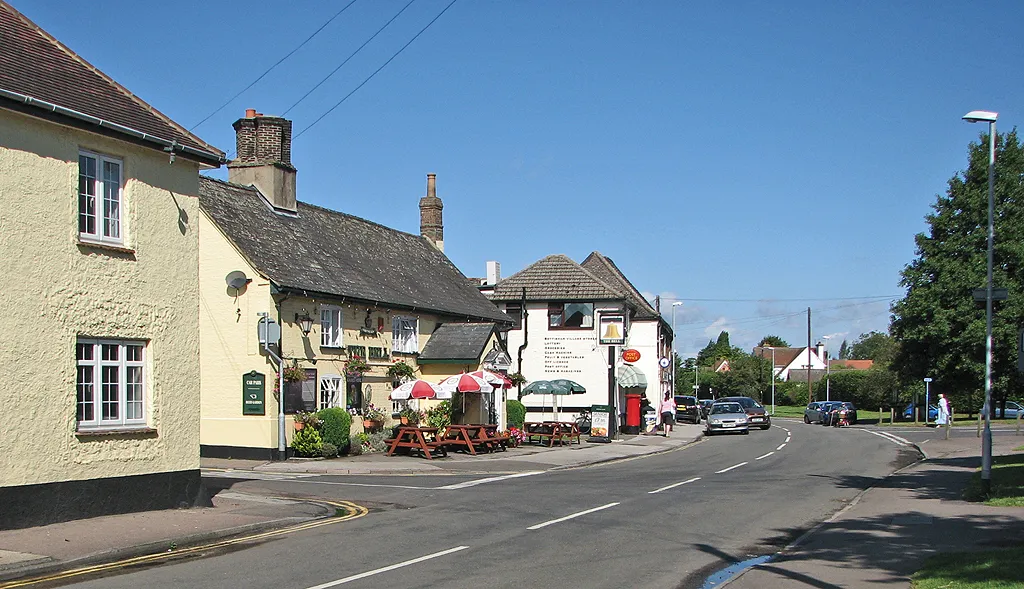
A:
810	396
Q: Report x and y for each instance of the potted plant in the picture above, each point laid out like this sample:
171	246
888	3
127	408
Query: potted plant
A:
517	378
411	416
373	417
307	418
293	373
355	367
400	372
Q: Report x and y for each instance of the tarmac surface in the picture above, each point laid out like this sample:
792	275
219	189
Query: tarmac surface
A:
880	539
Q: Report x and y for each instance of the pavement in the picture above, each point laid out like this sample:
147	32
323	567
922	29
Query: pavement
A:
881	538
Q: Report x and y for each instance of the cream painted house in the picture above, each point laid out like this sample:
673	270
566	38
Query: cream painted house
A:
100	359
362	290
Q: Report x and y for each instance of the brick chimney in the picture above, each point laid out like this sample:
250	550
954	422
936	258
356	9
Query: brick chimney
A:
431	225
264	147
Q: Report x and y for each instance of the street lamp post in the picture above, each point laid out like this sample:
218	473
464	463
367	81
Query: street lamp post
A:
982	116
674	354
828	366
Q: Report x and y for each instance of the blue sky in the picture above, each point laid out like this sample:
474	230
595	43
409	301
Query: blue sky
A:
750	159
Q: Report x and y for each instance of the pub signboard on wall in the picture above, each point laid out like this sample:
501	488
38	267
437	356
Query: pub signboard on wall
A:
253	394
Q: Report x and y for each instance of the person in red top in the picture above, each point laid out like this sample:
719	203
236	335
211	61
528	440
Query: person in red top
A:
668	413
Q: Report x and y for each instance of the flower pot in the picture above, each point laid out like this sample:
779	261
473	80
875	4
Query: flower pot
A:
299	425
405	421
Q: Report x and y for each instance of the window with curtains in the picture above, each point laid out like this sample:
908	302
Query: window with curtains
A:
110	384
571	315
99	199
404	335
330	327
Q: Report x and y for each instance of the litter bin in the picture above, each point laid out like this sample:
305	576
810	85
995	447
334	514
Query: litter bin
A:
632	414
650	419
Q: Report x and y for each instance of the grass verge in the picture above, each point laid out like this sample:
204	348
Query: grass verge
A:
1007	483
991	569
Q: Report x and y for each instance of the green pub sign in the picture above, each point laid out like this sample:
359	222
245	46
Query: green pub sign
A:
253	394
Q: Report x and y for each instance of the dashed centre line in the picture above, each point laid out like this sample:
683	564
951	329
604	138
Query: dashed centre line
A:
765	456
387	568
781	446
694	479
568	517
731	467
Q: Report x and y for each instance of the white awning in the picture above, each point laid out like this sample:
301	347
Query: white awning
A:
631	377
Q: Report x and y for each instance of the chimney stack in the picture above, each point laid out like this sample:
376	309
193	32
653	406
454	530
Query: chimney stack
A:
431	225
493	273
264	158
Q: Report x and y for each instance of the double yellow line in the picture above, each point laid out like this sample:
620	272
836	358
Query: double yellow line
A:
352	511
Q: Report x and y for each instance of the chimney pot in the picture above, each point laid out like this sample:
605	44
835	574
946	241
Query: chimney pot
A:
250	113
431	185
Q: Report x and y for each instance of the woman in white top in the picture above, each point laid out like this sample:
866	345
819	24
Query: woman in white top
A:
668	413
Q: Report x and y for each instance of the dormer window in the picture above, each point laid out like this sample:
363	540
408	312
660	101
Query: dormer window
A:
99	199
571	315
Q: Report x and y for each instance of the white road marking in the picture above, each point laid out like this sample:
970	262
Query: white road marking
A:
388	568
672	486
730	468
765	456
891	437
255	475
788	438
489	480
568	517
781	446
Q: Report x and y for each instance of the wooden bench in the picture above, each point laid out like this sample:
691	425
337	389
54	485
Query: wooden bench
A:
415	438
549	431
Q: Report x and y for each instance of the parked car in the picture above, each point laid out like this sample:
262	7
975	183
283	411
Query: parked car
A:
832	410
687	409
755	411
908	413
1013	409
813	411
705	406
727	416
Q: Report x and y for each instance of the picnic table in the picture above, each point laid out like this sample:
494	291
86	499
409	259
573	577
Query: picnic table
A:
423	439
551	432
470	436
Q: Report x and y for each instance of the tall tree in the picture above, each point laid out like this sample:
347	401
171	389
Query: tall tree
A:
717	350
773	341
875	345
940	328
844	351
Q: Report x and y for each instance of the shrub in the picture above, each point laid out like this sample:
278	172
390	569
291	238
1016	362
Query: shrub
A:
329	450
516	412
307	442
440	416
337	426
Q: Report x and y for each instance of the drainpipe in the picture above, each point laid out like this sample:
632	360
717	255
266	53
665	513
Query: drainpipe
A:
523	314
282	448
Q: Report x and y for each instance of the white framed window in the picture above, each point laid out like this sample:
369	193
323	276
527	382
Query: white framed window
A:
331	390
110	383
404	335
99	198
330	327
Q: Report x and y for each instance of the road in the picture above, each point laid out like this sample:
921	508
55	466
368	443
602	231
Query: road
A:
665	520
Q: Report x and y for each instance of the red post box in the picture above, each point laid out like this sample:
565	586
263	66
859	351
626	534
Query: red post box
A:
632	413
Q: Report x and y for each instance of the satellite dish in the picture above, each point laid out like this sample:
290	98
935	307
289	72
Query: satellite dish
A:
236	282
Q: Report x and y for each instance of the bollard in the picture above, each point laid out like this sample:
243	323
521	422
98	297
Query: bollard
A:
892	416
881	420
1018	423
949	422
979	425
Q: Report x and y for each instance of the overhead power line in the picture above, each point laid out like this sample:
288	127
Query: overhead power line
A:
342	64
370	77
772	300
263	75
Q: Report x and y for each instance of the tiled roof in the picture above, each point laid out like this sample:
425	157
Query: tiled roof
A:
457	341
852	364
783	356
331	253
555	278
34	64
605	268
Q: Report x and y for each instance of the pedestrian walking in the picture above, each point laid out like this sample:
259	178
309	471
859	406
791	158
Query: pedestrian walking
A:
943	417
668	413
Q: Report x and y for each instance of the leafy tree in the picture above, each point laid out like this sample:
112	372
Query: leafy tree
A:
773	341
718	350
844	351
941	330
877	346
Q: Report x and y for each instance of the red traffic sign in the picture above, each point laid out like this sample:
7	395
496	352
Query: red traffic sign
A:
630	355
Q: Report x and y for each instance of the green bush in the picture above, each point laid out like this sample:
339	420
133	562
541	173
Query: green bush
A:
337	425
440	416
516	412
307	442
329	450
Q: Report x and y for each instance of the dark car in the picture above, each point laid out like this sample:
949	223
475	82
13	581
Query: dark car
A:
705	407
831	413
755	411
687	409
814	411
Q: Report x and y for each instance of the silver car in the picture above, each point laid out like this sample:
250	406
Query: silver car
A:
727	417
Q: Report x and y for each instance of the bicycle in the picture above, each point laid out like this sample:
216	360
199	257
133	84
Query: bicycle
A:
583	421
